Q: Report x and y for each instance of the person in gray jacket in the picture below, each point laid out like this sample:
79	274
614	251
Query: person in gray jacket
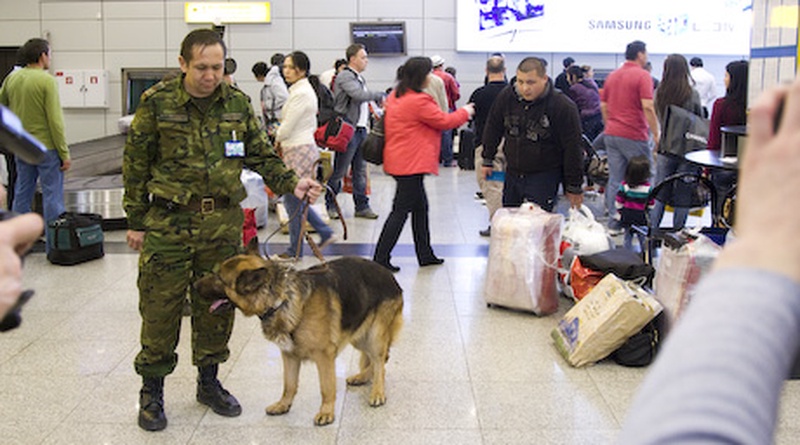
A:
351	98
274	93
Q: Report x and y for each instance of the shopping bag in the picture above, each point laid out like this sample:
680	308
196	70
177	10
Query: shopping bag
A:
603	320
684	132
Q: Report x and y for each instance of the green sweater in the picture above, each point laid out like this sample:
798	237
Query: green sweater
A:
32	94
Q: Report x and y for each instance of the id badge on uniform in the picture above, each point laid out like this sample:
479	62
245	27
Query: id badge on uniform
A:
234	148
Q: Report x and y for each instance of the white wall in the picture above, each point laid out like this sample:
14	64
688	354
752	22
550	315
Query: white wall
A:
112	34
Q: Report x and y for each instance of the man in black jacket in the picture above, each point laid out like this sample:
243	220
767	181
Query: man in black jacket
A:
542	131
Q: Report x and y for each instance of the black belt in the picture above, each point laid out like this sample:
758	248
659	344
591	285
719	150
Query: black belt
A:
204	205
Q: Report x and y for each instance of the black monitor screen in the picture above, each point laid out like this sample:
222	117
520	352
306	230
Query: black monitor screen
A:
380	38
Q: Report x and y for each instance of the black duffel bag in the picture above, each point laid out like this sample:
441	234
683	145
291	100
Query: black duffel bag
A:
75	238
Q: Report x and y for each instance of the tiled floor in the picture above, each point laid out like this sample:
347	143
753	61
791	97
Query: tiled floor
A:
461	373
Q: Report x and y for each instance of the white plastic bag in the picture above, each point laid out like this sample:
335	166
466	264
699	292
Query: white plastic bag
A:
585	235
256	196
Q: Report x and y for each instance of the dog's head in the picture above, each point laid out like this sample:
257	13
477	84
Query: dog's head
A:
250	282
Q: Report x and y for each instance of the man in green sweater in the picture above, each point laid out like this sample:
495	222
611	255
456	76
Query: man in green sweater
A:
32	94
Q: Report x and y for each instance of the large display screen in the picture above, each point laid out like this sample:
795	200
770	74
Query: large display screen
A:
597	26
380	38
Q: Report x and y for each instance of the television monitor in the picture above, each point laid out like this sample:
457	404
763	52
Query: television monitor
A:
380	38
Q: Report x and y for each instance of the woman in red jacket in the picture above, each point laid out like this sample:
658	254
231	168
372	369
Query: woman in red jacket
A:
413	127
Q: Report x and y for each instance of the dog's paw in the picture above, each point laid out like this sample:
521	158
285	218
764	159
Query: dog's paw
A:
377	399
276	409
358	380
323	418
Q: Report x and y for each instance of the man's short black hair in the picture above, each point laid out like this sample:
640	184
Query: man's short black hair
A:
202	37
32	50
352	50
634	48
696	62
260	69
568	61
276	59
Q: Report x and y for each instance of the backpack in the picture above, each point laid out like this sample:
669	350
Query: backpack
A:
325	104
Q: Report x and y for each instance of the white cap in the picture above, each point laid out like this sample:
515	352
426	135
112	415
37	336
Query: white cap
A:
437	60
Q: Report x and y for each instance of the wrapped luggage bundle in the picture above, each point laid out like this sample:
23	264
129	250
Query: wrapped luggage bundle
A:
523	253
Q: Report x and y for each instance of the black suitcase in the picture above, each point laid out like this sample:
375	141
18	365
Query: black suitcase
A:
75	238
466	149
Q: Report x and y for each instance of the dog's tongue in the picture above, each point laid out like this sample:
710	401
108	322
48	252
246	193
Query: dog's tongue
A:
215	306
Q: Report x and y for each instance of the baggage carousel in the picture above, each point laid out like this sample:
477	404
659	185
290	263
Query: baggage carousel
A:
94	182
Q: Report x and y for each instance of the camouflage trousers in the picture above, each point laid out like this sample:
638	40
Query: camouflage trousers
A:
180	247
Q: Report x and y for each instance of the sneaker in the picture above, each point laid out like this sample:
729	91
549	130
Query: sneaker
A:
333	214
478	195
615	232
366	213
328	241
283	258
487	232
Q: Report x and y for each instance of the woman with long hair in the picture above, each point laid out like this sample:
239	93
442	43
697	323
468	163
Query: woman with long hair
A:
295	137
413	125
728	110
675	88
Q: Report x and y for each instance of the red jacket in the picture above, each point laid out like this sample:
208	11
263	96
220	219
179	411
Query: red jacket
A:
413	127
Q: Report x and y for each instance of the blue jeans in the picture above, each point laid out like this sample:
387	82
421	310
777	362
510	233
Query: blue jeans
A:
668	166
341	163
51	178
620	151
294	208
538	188
446	154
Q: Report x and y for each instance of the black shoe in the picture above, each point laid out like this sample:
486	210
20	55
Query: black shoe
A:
151	405
211	393
434	261
389	266
487	232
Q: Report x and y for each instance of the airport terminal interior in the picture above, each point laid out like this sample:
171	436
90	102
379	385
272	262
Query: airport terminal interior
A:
460	373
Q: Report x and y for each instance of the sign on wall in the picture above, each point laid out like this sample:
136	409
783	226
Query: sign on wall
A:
593	26
234	12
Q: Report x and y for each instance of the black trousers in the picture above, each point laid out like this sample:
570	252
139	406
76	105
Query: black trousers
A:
409	197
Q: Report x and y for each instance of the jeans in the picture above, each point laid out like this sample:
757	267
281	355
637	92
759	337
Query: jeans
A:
620	151
446	153
294	208
341	163
51	178
409	197
538	188
668	166
628	240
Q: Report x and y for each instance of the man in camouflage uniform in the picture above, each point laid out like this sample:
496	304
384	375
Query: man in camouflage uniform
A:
186	148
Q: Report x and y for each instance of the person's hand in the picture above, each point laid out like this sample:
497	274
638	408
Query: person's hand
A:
17	235
766	219
486	171
470	109
135	239
308	187
66	164
575	200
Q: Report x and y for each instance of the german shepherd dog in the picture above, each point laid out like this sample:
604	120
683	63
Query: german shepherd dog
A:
312	314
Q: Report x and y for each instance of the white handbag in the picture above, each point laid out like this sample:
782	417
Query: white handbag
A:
584	234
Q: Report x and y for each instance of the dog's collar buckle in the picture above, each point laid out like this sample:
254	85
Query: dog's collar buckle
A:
271	311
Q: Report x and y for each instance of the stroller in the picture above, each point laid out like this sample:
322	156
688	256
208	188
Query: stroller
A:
595	161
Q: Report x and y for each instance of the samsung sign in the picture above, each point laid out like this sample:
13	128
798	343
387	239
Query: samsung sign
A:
592	26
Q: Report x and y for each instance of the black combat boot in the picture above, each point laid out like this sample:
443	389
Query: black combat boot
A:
151	404
211	393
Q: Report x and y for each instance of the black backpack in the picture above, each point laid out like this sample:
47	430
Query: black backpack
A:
641	348
324	102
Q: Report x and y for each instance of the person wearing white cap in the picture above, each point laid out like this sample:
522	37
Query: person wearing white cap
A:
453	94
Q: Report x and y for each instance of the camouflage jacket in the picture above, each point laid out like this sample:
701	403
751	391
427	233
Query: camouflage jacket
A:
176	152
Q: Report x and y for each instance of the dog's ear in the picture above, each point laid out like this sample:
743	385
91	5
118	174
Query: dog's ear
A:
251	280
252	247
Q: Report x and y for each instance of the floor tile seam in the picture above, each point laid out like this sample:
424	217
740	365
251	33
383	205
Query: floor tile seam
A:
470	377
606	401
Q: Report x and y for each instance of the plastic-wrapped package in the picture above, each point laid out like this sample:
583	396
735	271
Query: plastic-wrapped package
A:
678	272
523	254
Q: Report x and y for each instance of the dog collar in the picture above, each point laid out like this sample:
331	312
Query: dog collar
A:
271	311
